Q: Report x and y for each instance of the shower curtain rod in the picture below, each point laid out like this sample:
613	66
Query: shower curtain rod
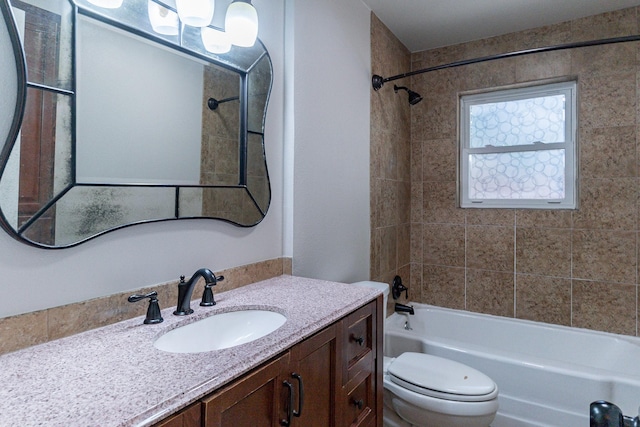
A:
377	81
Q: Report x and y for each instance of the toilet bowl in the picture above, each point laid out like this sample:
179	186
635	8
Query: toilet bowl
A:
423	390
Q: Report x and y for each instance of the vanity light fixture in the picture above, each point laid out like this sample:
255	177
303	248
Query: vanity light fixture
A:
163	20
197	13
107	4
214	40
241	23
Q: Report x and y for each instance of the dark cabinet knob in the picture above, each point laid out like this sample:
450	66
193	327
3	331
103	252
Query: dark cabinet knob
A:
359	340
359	403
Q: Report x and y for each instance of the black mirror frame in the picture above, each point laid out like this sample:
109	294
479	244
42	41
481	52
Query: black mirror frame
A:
23	84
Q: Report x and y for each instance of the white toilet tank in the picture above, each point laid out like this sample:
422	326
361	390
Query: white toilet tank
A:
380	286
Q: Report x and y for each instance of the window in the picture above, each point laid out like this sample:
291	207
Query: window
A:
518	148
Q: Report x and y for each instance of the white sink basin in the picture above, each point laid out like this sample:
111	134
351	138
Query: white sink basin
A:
220	331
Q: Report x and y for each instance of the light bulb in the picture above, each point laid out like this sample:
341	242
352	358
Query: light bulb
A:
215	41
107	4
163	20
241	23
197	13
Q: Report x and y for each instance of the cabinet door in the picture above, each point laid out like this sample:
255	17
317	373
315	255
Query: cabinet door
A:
189	417
313	373
256	400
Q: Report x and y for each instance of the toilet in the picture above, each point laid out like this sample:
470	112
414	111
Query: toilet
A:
423	390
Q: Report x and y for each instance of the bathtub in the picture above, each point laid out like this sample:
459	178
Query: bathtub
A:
547	375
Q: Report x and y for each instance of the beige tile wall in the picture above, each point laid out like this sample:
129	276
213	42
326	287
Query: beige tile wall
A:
220	155
390	161
576	268
28	329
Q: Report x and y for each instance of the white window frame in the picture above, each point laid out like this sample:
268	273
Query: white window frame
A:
569	89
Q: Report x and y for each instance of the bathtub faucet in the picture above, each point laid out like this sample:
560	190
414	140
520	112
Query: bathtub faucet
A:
405	310
398	288
401	308
605	414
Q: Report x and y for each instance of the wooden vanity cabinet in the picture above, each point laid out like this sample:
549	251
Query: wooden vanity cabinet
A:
335	378
295	389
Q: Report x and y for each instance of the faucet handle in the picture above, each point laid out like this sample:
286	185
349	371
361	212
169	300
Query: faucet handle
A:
153	311
397	288
207	295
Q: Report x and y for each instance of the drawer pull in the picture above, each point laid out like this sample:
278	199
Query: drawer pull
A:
287	421
359	403
298	413
359	340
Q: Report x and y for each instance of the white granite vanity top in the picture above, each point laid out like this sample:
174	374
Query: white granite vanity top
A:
113	376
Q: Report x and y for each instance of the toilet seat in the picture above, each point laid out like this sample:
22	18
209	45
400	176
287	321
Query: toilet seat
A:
441	378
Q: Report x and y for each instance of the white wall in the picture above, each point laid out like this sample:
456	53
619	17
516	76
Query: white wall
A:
326	222
332	73
143	255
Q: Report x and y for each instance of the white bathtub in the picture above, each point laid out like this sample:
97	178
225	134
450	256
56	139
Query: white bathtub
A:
547	375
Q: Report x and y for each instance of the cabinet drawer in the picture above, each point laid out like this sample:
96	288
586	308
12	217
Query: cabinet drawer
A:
359	335
359	405
359	343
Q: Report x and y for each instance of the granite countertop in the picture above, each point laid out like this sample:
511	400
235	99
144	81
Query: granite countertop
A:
113	376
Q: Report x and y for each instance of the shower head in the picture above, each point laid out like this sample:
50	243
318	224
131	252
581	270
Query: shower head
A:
414	97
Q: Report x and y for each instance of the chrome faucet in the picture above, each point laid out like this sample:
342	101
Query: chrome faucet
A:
185	289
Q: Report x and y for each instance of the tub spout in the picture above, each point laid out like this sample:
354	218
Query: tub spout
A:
401	308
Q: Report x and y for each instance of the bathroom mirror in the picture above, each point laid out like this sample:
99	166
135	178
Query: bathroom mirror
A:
117	120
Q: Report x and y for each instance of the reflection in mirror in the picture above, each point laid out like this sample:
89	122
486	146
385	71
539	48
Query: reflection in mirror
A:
164	90
118	128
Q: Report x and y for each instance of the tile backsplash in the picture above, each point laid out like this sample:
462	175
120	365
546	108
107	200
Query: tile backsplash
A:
29	329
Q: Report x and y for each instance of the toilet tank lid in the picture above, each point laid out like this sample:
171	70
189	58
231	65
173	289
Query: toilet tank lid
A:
439	374
376	285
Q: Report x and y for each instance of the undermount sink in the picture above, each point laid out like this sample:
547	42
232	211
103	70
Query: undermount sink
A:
220	331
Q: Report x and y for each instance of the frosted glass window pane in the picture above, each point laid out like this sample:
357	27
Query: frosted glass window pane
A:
521	175
518	122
